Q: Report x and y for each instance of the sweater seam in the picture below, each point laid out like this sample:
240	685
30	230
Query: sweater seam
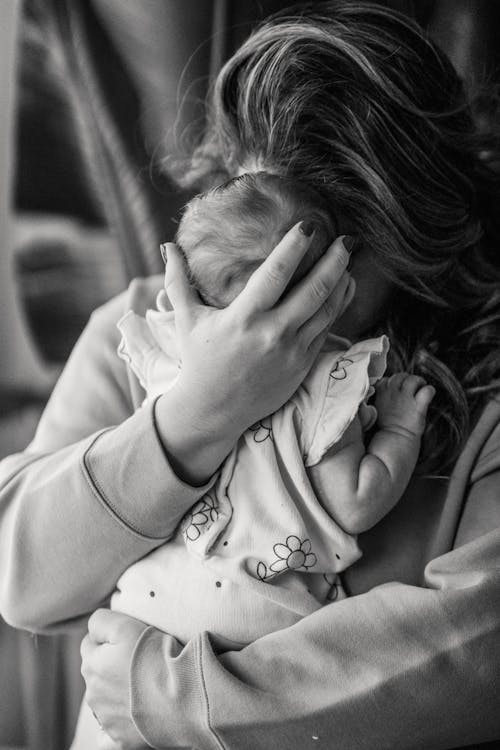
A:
99	493
205	696
142	637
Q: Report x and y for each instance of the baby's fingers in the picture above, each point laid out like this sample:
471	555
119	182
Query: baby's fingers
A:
424	396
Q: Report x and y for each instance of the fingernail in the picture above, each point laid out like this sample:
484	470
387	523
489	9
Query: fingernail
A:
306	227
349	242
163	251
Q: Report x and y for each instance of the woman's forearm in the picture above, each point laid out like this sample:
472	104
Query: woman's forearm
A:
61	546
400	666
196	444
93	492
72	521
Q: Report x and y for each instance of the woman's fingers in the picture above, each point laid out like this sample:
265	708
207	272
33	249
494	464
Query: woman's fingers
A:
321	321
315	289
86	647
267	284
102	625
181	294
98	626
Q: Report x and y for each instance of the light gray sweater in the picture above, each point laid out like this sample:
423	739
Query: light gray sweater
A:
410	660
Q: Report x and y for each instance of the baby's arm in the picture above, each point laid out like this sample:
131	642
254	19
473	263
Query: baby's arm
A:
359	486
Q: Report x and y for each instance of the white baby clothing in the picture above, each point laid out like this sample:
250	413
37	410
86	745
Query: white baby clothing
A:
258	552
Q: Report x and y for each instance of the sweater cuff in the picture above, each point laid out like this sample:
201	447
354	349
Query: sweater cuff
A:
168	702
130	473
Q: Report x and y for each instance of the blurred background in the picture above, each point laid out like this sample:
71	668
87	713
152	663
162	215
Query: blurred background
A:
95	95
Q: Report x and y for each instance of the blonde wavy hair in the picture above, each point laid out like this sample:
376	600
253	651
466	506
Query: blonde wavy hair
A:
354	100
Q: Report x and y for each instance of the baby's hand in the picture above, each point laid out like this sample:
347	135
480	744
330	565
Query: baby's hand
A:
402	401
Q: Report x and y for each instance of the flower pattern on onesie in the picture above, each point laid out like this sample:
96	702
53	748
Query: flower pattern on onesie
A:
200	518
258	539
293	555
262	430
339	372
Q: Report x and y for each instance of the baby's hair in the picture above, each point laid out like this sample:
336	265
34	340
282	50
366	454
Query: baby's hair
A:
227	232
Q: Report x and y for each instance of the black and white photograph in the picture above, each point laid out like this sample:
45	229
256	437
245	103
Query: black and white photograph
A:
249	374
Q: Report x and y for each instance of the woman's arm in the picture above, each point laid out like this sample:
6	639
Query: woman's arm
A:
86	499
400	666
406	665
96	490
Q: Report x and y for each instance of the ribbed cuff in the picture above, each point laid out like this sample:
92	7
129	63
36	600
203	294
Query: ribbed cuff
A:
168	704
129	470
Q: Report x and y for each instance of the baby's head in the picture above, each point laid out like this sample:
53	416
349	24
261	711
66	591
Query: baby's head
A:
226	233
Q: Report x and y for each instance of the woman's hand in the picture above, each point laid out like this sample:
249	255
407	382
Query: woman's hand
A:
106	656
243	362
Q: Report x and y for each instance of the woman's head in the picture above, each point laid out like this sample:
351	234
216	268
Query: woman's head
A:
355	101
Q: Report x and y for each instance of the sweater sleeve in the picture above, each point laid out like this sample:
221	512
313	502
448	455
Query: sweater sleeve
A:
94	491
399	666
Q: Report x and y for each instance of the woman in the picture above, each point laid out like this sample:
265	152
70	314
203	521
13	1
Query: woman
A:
354	100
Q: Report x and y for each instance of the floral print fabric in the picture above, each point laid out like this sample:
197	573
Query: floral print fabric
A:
258	551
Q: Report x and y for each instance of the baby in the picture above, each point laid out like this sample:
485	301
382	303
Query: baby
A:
266	545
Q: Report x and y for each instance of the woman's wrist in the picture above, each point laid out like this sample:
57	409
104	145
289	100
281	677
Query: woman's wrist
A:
196	444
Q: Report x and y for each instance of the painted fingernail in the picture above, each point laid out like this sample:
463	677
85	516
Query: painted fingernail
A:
349	242
163	251
306	227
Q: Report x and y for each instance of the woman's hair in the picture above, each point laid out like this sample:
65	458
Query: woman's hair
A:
354	100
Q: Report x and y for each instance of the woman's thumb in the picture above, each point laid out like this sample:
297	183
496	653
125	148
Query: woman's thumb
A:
180	292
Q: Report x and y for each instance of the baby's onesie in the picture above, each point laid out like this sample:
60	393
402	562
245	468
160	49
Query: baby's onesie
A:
258	552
